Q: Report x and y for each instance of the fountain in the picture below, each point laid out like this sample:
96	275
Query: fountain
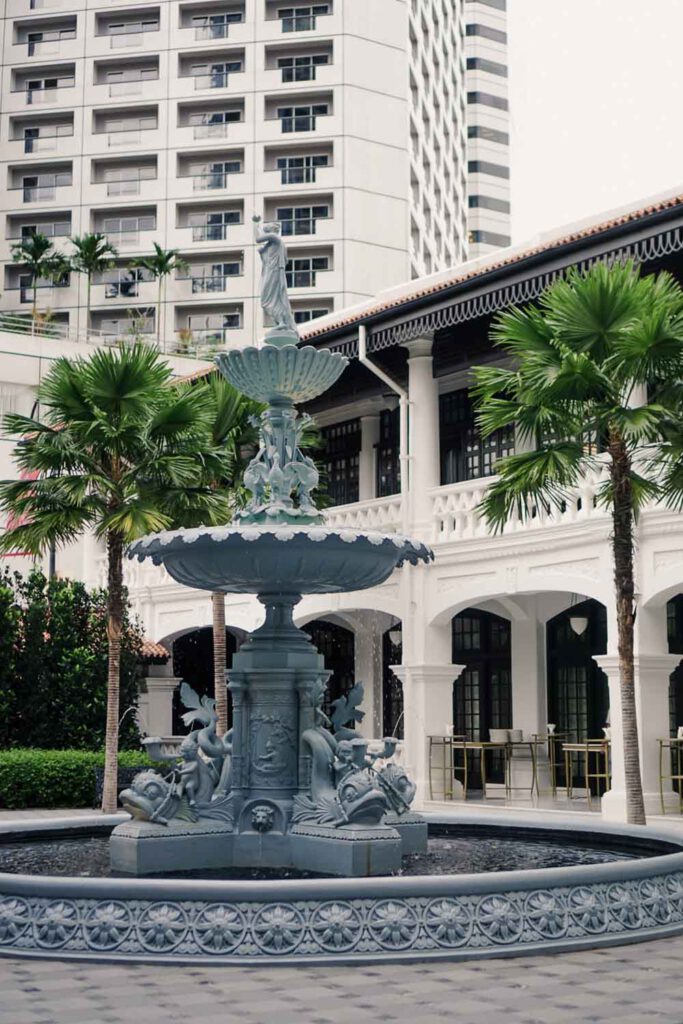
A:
236	832
285	787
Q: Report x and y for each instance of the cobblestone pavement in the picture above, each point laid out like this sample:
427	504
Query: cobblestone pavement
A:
635	984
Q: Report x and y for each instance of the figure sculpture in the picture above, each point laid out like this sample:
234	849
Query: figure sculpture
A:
274	297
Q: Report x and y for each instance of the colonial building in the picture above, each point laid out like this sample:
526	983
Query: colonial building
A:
515	630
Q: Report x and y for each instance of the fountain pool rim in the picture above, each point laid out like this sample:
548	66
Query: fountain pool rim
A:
340	920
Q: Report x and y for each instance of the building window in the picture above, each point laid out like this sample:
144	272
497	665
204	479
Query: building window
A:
494	34
215	26
302	270
304	316
488	203
41	188
127	229
37	137
301	69
302	118
214	175
56	229
126	28
211	328
487	100
34	40
485	167
212	277
301	19
208	227
388	462
491	67
465	455
300	170
214	75
488	238
341	460
301	220
498	5
480	131
122	282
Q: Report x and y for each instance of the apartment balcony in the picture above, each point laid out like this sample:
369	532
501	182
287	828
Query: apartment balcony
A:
148	89
204	237
275	78
122	294
208	84
209	184
50	296
201	36
59	41
124	189
238	133
299	128
43	195
203	287
292	179
130	128
53	138
134	41
301	28
22	98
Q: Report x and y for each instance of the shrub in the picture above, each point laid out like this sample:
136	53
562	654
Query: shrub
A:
56	778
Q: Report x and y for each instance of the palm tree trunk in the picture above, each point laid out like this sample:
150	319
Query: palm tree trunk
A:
622	548
159	301
34	314
115	610
219	661
87	305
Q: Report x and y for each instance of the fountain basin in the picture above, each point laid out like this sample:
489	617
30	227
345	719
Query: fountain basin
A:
292	373
311	920
258	559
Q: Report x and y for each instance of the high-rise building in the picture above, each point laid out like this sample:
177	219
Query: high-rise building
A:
172	121
488	132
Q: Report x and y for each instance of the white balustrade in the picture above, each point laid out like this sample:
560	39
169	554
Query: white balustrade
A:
455	515
375	514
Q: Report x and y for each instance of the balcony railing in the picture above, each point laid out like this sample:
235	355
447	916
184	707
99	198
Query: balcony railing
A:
300	22
45	143
125	186
210	283
45	96
220	31
209	232
210	180
212	79
374	514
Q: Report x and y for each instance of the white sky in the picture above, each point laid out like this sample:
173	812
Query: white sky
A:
596	91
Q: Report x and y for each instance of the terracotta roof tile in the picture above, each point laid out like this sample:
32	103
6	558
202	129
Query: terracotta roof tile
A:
149	649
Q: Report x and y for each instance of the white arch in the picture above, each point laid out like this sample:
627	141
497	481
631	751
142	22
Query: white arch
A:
667	585
445	606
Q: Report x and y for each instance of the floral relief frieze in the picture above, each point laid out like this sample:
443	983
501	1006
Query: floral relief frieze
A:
450	924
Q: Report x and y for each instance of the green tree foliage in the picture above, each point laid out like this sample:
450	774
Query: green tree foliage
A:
53	672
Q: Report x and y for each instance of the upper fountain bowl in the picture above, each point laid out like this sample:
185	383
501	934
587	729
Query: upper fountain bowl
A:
279	559
273	375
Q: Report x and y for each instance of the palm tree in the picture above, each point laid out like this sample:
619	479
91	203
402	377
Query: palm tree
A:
232	430
597	363
119	452
93	255
163	263
38	255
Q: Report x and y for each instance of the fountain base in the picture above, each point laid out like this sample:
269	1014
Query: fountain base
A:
351	851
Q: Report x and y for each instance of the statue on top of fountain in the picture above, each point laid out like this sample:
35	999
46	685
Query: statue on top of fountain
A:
274	297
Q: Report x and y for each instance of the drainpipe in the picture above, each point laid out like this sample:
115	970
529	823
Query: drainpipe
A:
404	457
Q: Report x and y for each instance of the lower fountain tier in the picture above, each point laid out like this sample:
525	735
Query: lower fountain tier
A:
353	851
265	559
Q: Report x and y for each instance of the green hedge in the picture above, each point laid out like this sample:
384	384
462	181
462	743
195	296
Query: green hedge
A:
55	778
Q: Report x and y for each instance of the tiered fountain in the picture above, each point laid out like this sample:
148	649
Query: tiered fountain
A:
280	789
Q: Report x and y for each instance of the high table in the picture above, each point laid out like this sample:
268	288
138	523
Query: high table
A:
446	746
600	750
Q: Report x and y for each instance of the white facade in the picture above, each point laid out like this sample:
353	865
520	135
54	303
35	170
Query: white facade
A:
173	121
488	126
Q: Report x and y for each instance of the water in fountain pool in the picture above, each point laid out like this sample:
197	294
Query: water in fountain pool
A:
454	850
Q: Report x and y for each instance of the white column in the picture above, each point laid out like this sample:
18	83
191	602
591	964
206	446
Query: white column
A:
367	473
527	662
613	804
428	711
423	394
652	674
159	705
